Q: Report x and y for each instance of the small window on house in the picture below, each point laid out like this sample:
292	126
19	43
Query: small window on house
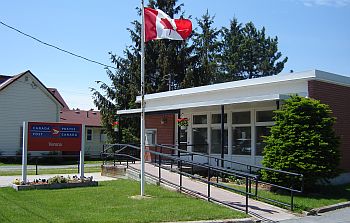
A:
241	117
103	136
89	134
200	119
264	116
216	118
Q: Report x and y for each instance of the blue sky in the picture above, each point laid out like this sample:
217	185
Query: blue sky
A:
314	34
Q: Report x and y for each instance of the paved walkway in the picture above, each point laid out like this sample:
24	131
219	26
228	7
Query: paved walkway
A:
6	181
263	211
337	216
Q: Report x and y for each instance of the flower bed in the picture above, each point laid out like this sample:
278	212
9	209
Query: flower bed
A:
57	182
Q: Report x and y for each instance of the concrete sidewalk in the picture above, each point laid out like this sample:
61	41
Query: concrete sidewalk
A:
260	210
6	181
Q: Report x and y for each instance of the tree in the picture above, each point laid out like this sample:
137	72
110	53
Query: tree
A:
206	47
302	141
179	64
164	59
248	53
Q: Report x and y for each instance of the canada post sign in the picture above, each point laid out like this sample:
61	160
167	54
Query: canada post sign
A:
44	136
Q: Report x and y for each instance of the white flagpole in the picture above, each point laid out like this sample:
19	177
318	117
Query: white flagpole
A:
142	136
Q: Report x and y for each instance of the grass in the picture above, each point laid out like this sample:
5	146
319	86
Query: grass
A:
109	202
73	170
320	197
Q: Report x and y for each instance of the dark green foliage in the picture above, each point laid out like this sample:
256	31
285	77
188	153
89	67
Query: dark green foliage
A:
248	53
209	56
302	141
206	50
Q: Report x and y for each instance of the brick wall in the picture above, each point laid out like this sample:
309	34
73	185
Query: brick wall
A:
164	123
338	98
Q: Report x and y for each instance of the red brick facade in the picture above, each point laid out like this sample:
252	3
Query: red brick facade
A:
164	124
338	98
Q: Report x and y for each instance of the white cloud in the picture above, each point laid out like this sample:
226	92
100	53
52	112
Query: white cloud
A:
333	3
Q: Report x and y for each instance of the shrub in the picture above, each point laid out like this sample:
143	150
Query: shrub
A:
302	141
57	180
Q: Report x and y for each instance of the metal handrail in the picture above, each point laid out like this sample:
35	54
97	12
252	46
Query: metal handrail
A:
249	177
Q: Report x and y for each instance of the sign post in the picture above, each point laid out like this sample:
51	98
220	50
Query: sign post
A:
82	153
24	152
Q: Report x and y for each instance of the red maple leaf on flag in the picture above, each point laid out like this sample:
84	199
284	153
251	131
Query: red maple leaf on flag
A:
167	25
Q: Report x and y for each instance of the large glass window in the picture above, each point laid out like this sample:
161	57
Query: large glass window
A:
241	117
241	140
264	116
261	132
216	118
200	140
216	141
200	119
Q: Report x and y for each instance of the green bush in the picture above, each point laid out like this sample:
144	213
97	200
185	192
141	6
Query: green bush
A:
302	141
57	180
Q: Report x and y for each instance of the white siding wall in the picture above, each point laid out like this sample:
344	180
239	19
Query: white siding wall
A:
94	147
23	101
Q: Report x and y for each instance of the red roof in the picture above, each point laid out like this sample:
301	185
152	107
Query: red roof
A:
58	96
88	118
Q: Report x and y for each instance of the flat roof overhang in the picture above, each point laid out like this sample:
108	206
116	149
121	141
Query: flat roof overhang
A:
268	88
175	107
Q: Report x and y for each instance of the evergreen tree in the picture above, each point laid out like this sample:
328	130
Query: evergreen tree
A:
206	50
248	53
204	59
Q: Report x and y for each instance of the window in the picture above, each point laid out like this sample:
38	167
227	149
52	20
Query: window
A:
264	120
103	136
241	117
200	140
88	134
241	140
151	137
261	132
200	119
216	141
216	118
264	116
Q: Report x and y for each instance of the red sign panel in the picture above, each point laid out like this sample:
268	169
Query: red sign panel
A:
43	136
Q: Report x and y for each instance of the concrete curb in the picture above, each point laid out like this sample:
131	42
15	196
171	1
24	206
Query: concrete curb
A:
328	208
241	220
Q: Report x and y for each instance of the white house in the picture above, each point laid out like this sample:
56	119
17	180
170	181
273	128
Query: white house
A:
23	98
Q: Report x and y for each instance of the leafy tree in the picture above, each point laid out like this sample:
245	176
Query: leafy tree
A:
302	141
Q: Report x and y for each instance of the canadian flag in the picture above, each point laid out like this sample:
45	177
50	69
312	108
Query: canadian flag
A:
159	25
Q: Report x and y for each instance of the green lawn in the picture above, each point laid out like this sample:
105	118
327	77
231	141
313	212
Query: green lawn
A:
50	171
109	202
321	196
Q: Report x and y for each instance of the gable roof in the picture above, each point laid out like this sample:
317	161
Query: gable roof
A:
88	118
4	78
58	96
9	80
